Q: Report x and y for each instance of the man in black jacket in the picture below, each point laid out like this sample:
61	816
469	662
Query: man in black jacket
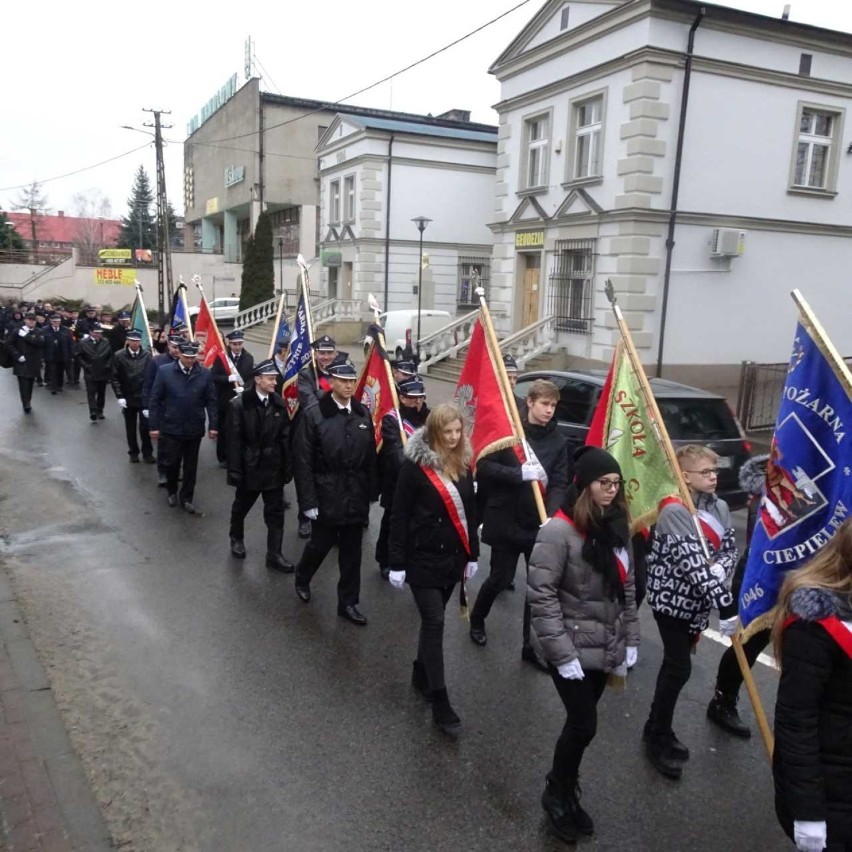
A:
57	353
128	375
170	356
229	384
334	456
259	462
96	358
26	343
510	519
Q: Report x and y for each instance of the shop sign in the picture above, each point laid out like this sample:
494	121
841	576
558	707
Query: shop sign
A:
234	175
529	239
121	277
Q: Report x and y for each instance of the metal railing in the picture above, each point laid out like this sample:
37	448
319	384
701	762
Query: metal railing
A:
257	314
532	341
447	341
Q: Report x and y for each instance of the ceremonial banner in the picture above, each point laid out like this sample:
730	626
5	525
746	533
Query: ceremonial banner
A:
139	320
207	331
623	425
480	398
374	389
299	355
180	314
808	489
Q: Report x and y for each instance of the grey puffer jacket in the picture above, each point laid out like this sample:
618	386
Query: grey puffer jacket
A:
571	613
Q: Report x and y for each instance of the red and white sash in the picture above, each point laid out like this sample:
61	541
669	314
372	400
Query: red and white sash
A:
407	427
452	503
713	530
622	558
840	631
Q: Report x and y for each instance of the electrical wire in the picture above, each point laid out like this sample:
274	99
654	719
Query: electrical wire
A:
266	74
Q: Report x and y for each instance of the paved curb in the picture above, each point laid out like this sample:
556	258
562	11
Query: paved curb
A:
45	799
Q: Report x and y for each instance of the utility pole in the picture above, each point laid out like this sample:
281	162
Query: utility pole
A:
164	255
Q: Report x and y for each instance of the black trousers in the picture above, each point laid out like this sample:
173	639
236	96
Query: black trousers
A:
675	669
431	603
729	678
54	375
174	451
244	499
96	395
580	699
504	563
222	438
132	417
382	540
73	368
347	537
25	389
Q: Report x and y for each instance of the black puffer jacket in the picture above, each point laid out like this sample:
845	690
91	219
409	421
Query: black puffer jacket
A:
392	452
423	541
96	358
812	763
30	347
128	375
334	456
258	442
510	516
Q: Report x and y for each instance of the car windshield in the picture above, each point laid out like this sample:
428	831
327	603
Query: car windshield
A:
697	419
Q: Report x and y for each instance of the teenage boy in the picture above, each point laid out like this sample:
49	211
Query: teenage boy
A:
683	586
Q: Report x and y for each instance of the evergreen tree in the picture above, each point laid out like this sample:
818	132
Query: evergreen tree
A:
10	239
258	282
247	282
139	226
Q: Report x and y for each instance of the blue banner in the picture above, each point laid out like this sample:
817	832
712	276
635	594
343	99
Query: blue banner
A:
178	310
298	356
808	488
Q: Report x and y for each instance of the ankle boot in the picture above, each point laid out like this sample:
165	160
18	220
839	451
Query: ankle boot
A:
274	559
575	810
659	752
419	680
442	712
560	821
722	710
678	749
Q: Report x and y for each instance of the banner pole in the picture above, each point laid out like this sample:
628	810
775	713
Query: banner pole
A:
144	312
823	342
303	281
275	327
374	306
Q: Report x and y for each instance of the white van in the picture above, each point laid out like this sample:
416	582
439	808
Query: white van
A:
401	329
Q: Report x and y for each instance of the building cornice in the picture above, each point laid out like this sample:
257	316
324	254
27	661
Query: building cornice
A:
350	164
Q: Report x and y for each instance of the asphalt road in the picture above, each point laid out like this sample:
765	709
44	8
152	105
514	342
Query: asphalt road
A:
215	711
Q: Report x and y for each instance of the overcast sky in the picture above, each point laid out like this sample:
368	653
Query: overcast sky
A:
75	72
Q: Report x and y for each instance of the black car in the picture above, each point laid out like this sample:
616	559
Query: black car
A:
691	416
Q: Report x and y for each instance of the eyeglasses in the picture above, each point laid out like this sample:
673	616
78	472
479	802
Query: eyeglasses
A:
706	473
610	484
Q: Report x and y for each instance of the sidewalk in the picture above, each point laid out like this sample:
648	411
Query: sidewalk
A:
45	801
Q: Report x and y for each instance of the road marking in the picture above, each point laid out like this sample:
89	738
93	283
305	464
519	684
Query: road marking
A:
766	659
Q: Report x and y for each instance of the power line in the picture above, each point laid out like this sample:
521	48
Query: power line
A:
266	74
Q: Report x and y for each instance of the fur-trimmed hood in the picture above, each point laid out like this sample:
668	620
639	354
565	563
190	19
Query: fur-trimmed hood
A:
418	450
753	474
813	604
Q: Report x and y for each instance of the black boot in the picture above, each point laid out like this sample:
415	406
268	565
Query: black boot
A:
274	560
575	810
238	549
419	680
722	710
678	750
561	822
477	630
443	714
659	751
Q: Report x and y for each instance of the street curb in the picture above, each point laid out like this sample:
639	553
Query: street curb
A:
81	816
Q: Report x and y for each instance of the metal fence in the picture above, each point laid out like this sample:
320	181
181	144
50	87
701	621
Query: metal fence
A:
571	290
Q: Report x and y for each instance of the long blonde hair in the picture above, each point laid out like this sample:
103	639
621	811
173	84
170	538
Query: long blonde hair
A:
454	462
830	570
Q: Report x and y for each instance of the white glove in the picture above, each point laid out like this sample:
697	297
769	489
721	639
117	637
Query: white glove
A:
572	670
21	359
397	579
23	331
631	656
531	471
312	514
728	626
239	389
122	403
235	377
718	572
809	836
145	413
470	569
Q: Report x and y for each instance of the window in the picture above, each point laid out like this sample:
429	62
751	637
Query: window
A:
563	23
349	197
571	285
818	134
334	201
587	151
473	272
805	61
537	145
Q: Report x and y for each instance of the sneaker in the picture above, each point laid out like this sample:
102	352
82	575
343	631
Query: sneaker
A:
722	711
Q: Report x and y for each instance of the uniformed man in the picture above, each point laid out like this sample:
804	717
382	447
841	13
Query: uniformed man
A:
334	456
170	356
25	343
229	384
128	377
282	349
96	358
182	395
57	353
259	461
117	335
402	371
511	366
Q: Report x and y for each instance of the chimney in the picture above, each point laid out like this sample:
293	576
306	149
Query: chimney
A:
456	115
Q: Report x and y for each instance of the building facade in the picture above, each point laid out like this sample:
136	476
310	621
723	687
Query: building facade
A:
591	150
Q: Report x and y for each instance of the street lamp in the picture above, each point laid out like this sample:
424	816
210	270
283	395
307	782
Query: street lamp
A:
281	266
421	222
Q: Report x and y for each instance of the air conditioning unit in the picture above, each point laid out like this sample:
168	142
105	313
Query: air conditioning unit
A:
727	242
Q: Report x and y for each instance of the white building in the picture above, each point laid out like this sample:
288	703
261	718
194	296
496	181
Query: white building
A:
377	174
591	101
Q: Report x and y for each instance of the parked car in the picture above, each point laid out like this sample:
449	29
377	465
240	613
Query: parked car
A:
224	310
401	329
691	416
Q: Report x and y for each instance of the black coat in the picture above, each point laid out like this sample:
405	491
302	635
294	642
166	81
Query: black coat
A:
31	347
179	402
258	442
510	516
423	540
334	457
57	345
117	337
154	364
224	388
128	376
96	358
392	453
812	764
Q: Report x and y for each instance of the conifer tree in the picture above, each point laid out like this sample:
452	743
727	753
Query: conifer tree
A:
139	226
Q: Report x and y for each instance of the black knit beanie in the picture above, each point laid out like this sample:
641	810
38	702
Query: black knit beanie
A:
591	463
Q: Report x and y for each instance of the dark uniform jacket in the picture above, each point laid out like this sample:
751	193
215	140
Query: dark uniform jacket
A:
84	325
334	457
179	402
96	358
31	347
224	388
423	540
117	337
392	453
258	442
151	368
311	390
128	375
57	345
812	763
510	515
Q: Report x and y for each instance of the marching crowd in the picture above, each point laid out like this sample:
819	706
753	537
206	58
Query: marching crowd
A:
587	575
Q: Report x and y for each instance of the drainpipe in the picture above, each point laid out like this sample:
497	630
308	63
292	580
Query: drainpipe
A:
670	242
387	223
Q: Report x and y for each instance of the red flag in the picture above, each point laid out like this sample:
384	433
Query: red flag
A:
595	436
375	392
206	329
479	396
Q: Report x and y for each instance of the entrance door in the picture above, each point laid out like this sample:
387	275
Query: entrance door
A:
532	287
332	282
346	290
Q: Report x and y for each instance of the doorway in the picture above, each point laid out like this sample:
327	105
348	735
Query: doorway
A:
532	289
332	282
346	289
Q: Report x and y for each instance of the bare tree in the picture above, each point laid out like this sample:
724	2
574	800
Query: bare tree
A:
34	200
91	208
